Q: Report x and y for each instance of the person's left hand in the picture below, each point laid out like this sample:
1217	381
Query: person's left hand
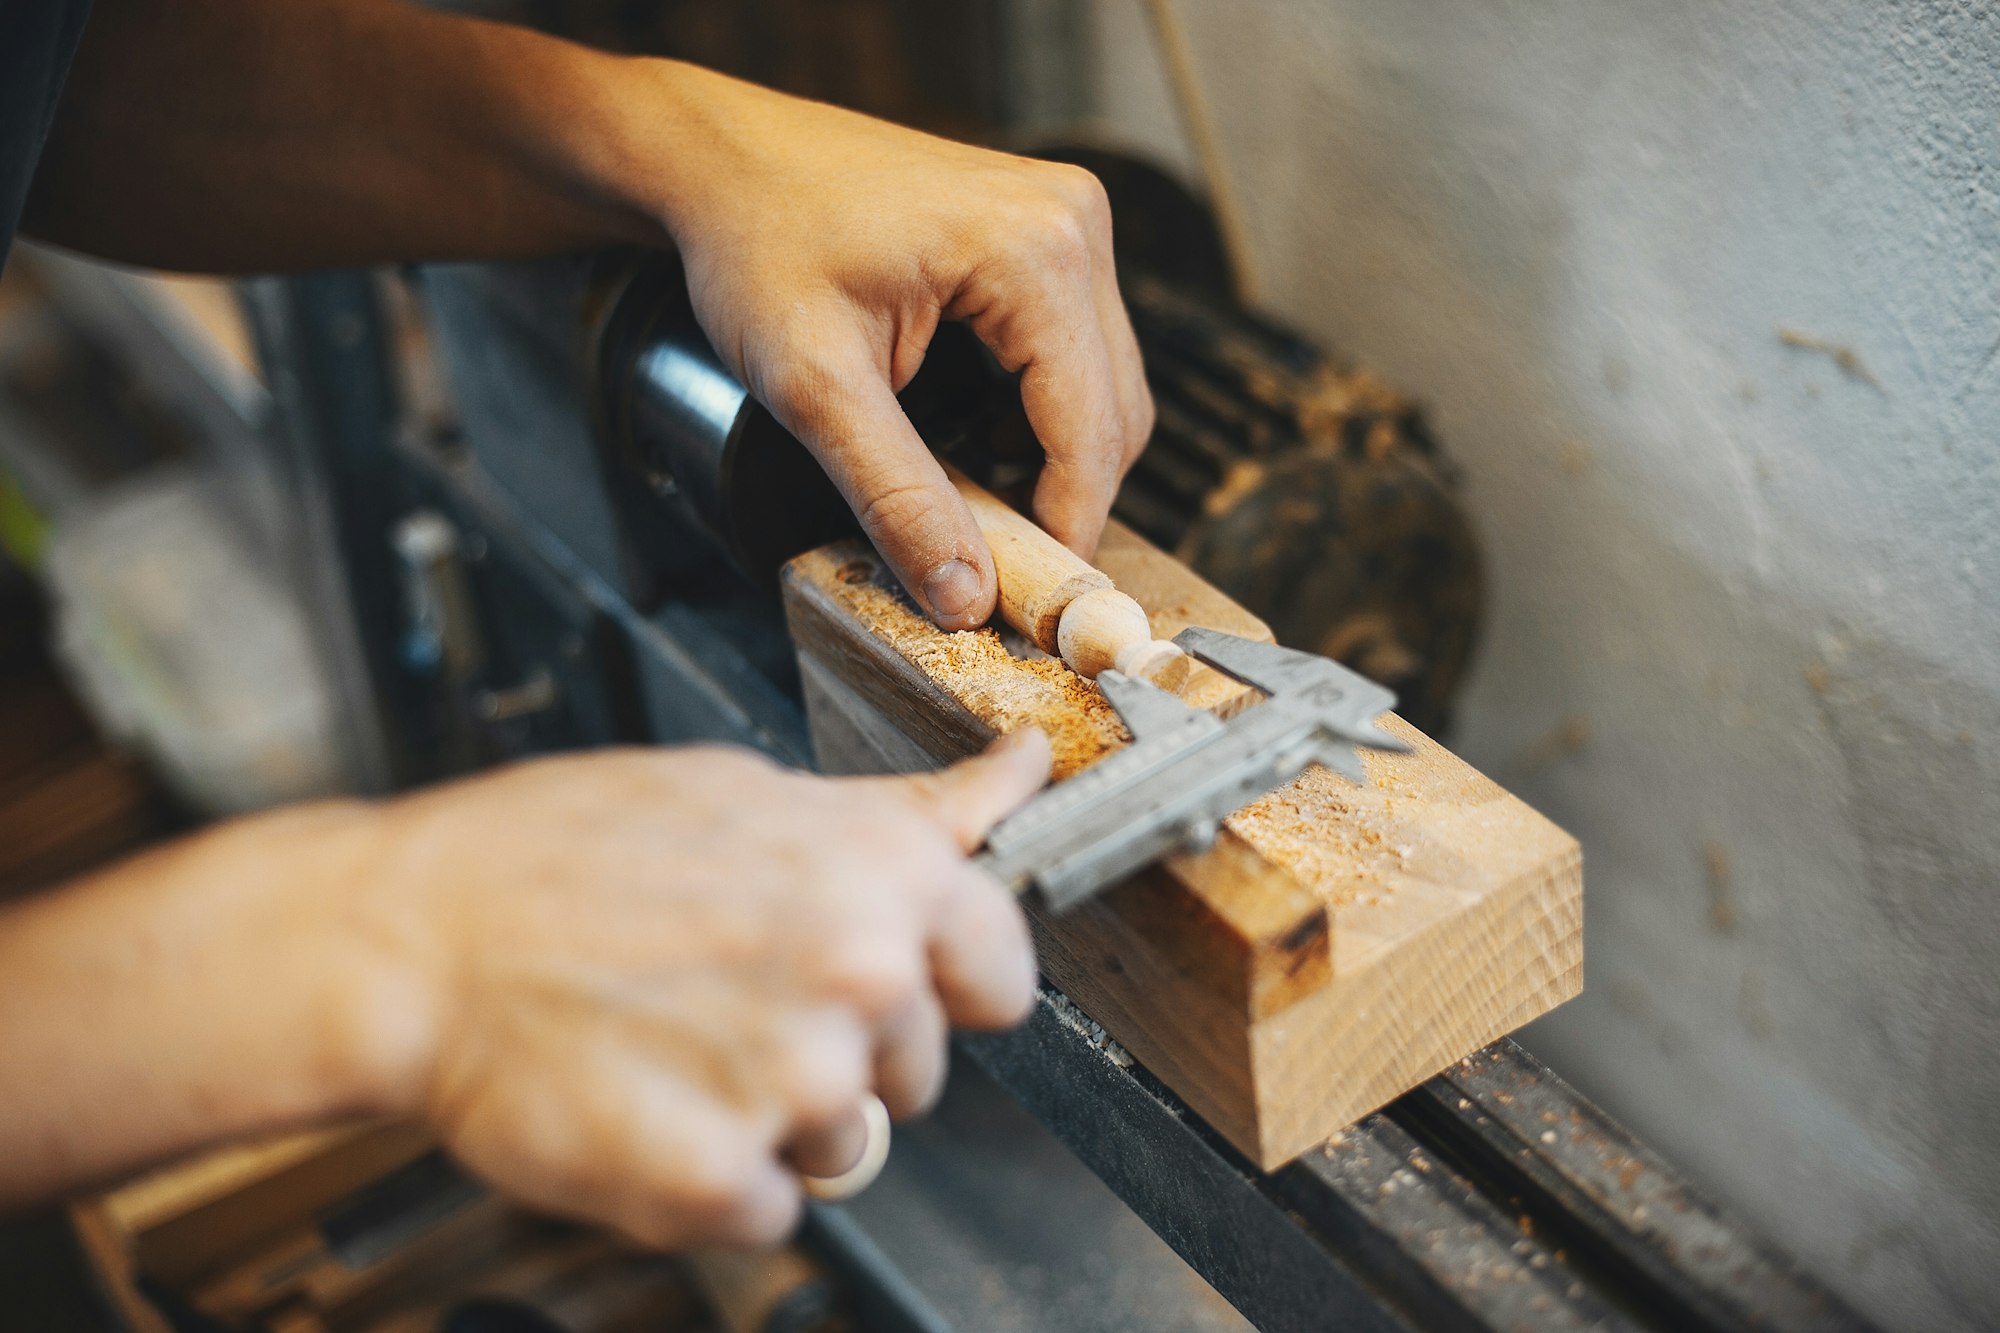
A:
822	250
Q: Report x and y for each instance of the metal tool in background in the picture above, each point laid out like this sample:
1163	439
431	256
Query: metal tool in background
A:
1186	769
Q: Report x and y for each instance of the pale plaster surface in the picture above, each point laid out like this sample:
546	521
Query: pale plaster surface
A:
1745	635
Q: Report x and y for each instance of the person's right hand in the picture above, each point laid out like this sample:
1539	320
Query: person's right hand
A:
646	987
823	248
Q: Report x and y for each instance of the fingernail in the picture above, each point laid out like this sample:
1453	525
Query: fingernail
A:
952	589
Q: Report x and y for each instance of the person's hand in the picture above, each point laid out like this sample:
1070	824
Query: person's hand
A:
822	249
648	987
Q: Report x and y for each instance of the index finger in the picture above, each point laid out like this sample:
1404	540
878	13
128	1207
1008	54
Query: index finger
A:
1042	318
973	795
841	405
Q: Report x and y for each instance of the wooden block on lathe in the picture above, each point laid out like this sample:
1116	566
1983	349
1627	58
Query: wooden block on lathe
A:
1341	943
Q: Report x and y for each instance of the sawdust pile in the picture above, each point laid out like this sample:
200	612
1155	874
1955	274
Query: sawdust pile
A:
1003	691
1322	828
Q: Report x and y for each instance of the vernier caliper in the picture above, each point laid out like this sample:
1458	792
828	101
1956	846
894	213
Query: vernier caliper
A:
1187	769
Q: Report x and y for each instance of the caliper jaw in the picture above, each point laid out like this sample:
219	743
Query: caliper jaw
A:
1148	712
1346	702
1100	824
1186	770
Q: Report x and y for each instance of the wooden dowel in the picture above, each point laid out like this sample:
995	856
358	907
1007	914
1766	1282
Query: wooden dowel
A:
1059	600
1039	576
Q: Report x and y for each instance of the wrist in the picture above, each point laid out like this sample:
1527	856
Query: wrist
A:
321	965
376	1005
559	127
610	145
669	135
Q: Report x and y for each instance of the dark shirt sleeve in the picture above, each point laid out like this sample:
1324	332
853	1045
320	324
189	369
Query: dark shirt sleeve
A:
37	43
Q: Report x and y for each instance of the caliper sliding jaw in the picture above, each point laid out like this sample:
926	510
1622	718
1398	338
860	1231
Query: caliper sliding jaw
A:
1187	769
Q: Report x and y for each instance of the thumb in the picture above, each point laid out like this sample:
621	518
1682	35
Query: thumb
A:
847	414
974	794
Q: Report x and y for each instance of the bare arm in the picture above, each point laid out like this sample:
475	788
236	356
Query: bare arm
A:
822	247
127	1002
237	136
614	984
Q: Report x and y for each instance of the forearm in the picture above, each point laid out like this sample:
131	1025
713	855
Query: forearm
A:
243	135
216	988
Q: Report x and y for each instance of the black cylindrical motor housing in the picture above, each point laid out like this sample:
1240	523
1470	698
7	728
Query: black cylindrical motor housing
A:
677	420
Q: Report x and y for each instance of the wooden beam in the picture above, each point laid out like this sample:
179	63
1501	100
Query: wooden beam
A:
1255	936
1340	944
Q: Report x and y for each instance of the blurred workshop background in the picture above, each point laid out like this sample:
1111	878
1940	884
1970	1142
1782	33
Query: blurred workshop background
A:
1703	302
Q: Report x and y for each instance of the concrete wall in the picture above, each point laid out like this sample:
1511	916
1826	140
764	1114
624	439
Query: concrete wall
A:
1706	298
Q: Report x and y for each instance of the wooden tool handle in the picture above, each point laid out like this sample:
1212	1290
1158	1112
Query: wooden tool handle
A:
1048	592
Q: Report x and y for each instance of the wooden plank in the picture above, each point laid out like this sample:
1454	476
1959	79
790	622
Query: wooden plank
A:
1342	942
193	1217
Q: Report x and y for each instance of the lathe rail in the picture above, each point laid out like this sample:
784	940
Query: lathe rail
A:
1491	1197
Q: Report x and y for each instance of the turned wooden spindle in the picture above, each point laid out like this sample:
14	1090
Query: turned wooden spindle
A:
1063	603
